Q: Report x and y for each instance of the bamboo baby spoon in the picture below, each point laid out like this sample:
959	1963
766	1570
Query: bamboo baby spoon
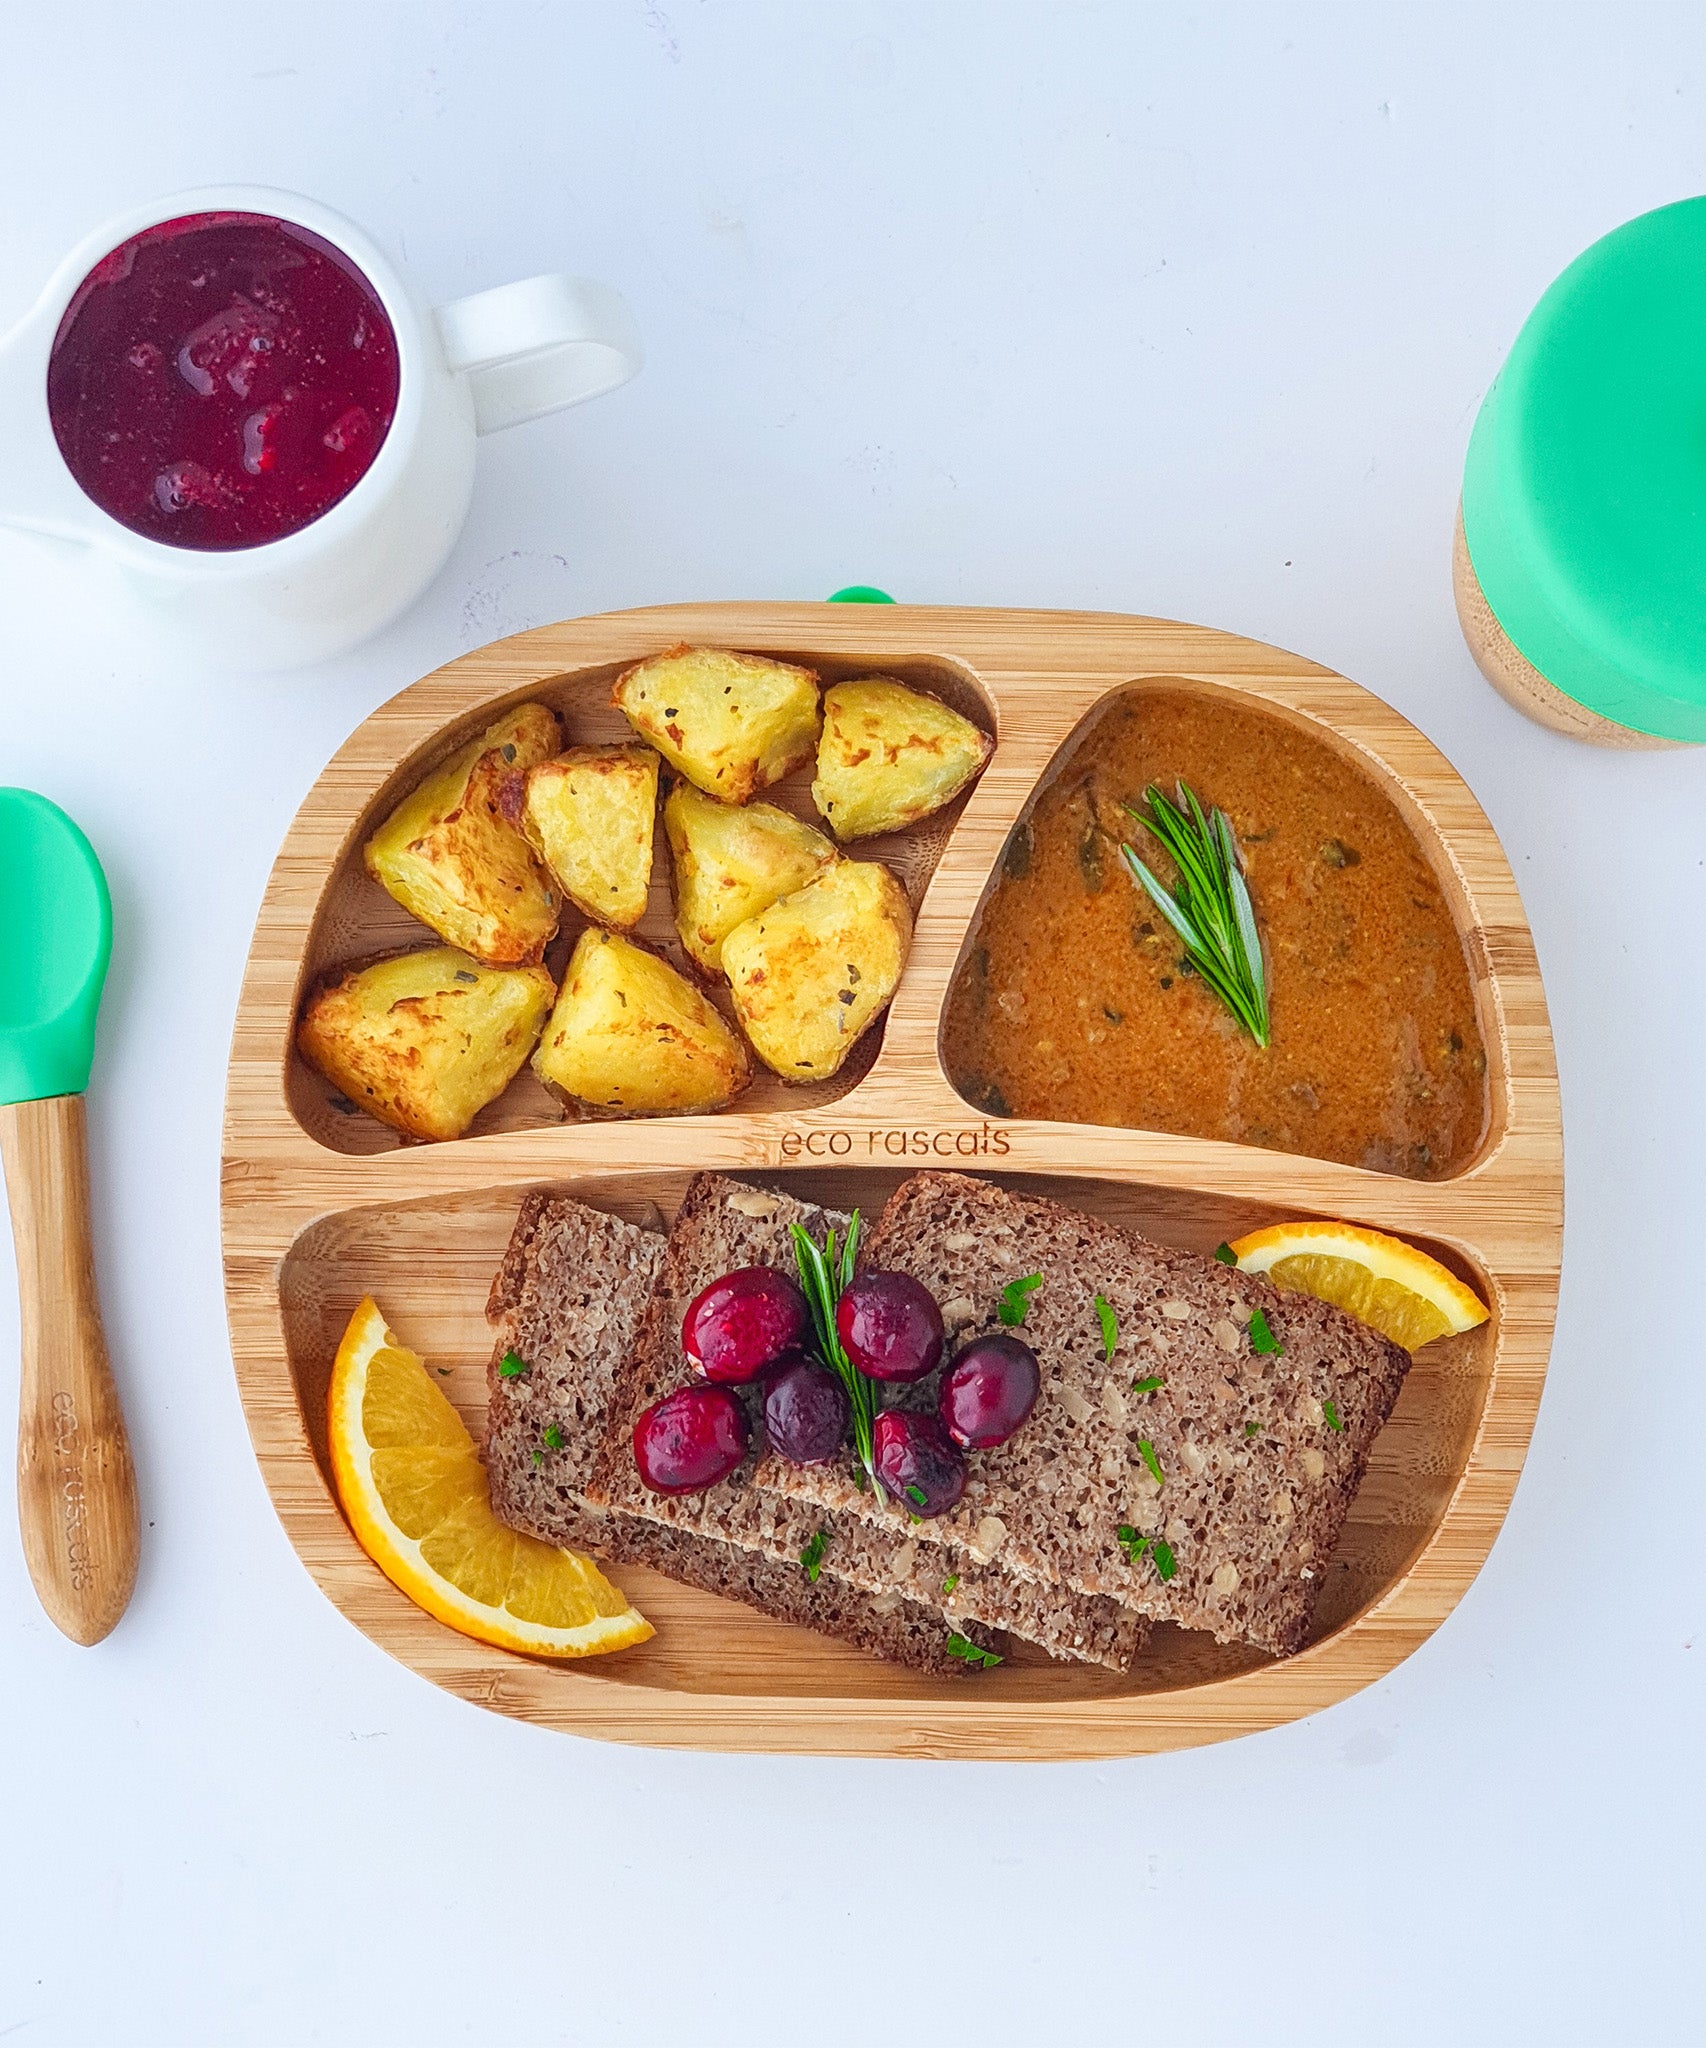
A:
76	1484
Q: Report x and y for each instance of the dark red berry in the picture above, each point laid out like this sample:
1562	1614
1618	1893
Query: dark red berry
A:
890	1326
806	1410
988	1391
918	1466
690	1439
742	1322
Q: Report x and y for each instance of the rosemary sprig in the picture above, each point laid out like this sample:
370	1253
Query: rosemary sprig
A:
1211	911
824	1273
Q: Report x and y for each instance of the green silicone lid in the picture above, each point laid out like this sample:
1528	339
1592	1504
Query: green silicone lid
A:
1584	495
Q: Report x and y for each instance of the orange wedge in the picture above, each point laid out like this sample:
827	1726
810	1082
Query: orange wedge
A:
1382	1280
418	1500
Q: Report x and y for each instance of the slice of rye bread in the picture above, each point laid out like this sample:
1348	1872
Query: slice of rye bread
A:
567	1300
1256	1481
885	1625
720	1226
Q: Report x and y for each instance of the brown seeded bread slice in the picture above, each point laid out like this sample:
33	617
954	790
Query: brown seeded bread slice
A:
721	1225
1256	1481
568	1300
887	1625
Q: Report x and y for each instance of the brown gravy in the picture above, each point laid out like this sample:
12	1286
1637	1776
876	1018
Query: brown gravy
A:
1073	1003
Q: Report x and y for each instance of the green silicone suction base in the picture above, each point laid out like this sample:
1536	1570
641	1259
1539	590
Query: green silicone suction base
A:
1584	494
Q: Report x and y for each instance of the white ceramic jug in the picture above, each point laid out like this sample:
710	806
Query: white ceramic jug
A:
468	368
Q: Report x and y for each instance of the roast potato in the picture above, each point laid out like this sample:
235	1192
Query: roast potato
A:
453	854
812	972
423	1041
631	1037
890	755
732	862
589	815
732	723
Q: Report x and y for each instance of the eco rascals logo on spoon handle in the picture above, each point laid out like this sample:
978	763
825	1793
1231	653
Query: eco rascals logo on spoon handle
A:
76	1484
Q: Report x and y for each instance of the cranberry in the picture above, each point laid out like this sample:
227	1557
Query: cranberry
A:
988	1391
690	1439
743	1321
890	1326
806	1410
918	1466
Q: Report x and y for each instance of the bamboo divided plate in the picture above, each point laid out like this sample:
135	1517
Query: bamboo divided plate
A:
321	1207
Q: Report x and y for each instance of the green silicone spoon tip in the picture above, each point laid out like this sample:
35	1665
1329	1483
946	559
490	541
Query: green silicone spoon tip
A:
56	933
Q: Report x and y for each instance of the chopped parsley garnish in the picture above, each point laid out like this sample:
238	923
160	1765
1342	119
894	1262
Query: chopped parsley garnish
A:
1157	1548
1332	1415
1110	1325
511	1366
968	1652
1226	1255
812	1556
443	1371
462	974
1152	1385
553	1437
916	1494
1146	1451
1261	1337
1252	1429
538	1457
949	1583
1015	1299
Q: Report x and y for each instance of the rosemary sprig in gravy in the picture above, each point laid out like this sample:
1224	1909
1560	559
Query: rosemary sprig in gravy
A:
1210	906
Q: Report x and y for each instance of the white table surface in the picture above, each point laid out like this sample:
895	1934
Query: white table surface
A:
1184	311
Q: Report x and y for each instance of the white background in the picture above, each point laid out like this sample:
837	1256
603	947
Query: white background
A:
1159	308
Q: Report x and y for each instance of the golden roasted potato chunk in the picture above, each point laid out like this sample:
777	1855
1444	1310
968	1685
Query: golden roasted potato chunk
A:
631	1037
453	854
423	1041
732	862
890	755
732	723
589	815
812	972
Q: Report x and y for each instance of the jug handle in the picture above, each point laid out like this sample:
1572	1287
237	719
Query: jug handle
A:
538	345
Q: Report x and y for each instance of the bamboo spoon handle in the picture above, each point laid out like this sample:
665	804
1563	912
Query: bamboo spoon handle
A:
76	1483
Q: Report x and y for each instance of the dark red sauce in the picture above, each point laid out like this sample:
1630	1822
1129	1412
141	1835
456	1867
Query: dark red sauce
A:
221	380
